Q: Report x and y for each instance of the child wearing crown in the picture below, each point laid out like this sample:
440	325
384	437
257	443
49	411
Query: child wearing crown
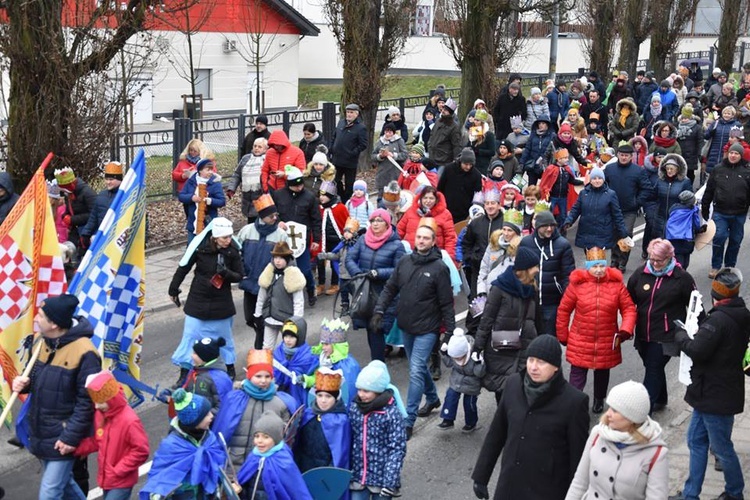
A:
333	353
324	436
554	184
244	406
333	215
294	354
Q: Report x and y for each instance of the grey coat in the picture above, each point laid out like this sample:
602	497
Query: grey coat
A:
241	442
387	171
466	379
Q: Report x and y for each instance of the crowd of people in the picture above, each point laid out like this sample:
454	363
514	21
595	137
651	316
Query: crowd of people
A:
479	207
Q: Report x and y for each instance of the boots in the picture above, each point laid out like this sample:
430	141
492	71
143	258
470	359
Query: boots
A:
435	371
231	372
181	378
598	406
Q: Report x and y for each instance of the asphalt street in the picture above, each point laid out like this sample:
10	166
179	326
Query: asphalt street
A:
438	463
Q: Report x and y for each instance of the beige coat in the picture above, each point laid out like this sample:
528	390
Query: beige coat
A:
607	472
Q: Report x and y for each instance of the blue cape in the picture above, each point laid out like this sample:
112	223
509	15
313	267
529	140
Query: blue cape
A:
179	461
338	433
303	362
233	407
280	476
351	369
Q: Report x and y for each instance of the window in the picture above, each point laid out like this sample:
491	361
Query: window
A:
203	82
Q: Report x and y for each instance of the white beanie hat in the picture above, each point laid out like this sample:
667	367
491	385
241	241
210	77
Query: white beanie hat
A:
630	399
393	110
222	227
320	157
458	345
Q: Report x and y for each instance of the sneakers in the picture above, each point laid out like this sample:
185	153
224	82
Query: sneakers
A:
598	406
467	429
427	408
320	290
445	425
712	273
312	300
333	290
727	496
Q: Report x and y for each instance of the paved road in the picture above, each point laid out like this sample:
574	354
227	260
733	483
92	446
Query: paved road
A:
439	463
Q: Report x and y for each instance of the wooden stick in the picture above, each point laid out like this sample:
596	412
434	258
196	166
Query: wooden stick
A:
25	373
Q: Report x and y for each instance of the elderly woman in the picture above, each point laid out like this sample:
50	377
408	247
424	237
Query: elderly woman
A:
661	292
671	181
625	456
594	336
209	308
510	308
376	254
718	133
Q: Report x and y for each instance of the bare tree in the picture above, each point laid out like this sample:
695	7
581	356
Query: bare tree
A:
370	35
634	27
733	15
598	17
669	22
56	51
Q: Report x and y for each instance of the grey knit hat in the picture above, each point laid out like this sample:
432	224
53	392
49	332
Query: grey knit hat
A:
468	156
630	399
271	425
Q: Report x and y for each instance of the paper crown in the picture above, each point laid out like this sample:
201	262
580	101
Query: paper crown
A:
327	380
264	205
596	253
328	187
513	216
352	225
391	192
333	331
113	168
575	105
102	386
562	154
492	194
478	198
428	222
259	357
64	176
542	206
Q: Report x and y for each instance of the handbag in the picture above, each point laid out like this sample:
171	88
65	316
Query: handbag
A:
509	340
364	298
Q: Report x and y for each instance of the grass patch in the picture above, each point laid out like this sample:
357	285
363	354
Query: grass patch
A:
159	172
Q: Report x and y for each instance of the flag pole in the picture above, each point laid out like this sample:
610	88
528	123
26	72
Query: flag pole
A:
25	373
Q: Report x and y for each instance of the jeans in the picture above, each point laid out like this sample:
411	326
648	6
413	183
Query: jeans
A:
620	258
450	407
118	494
601	380
714	431
727	226
418	350
365	495
303	263
654	379
57	481
549	319
345	177
562	205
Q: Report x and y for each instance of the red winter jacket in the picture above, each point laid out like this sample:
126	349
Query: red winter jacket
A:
340	214
275	162
122	444
596	303
446	237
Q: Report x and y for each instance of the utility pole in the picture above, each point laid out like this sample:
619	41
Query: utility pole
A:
553	41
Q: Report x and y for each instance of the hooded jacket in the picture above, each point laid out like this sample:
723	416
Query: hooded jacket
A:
536	147
275	161
534	110
669	143
409	223
619	132
668	192
556	262
505	107
600	213
10	198
459	187
302	362
79	205
643	94
313	179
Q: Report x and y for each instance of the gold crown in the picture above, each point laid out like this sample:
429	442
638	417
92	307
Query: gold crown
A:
328	380
429	222
259	357
113	168
596	253
561	154
352	225
263	202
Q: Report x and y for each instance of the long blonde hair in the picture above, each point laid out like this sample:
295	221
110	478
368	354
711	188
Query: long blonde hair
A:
197	144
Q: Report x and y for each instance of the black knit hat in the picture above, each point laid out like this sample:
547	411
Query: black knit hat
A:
525	259
262	119
208	349
547	348
60	309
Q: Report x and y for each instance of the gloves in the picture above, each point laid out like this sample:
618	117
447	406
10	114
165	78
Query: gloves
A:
444	347
480	491
565	227
230	193
372	274
624	335
174	296
85	242
702	229
221	268
478	357
376	322
389	492
67	220
258	325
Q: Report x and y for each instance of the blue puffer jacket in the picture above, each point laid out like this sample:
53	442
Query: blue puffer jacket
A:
214	191
643	95
101	205
556	262
718	133
361	258
630	183
378	445
61	408
536	147
668	192
600	212
559	102
668	102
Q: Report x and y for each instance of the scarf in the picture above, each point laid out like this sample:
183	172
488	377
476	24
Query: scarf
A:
534	390
650	430
656	108
375	242
685	129
624	113
509	283
665	143
667	269
356	201
256	392
289	352
263	228
380	402
192	159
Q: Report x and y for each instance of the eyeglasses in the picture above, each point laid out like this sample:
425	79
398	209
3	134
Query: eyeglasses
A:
658	261
377	219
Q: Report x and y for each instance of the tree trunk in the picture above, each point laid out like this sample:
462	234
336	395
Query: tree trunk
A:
728	34
478	68
602	37
633	31
660	40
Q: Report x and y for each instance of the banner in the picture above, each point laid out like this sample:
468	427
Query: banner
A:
31	269
111	279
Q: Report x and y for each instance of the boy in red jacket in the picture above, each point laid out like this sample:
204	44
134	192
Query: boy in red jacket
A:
119	437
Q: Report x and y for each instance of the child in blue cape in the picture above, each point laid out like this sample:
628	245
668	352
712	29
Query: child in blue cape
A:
324	436
333	353
269	473
208	376
683	223
188	462
242	408
294	354
378	435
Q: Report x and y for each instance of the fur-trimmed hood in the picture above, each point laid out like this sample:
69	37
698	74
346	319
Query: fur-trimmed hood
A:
628	101
658	126
294	280
641	140
675	159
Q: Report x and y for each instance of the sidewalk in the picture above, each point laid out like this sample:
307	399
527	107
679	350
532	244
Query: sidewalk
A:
161	265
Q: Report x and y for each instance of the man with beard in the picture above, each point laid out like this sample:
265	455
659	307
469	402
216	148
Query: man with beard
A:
445	139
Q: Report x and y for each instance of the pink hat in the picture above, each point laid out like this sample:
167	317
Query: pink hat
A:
383	214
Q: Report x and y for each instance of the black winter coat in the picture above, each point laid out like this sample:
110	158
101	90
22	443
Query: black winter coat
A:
459	187
631	184
101	205
250	138
717	383
556	262
659	301
79	205
446	141
310	147
505	107
541	444
426	297
347	143
299	207
205	301
690	138
61	408
477	237
728	187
